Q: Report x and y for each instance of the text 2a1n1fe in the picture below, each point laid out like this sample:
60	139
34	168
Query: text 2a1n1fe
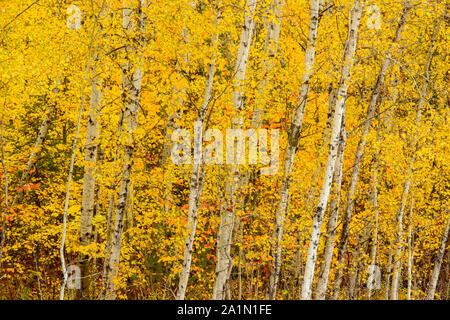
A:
225	309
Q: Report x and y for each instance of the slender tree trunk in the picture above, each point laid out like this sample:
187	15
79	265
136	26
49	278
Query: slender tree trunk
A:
5	172
36	150
333	218
360	150
73	152
227	215
373	250
358	258
172	124
111	204
132	89
88	197
292	145
388	273
309	202
109	218
399	239
347	60
198	171
446	273
406	186
410	249
437	265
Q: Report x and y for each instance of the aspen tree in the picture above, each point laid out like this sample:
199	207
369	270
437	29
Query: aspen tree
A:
412	160
437	264
361	146
292	145
410	249
339	111
198	170
132	82
93	40
298	261
111	203
142	211
227	215
42	134
270	50
91	151
374	247
333	217
88	198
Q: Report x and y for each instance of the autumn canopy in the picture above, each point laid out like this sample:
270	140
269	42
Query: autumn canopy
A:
224	149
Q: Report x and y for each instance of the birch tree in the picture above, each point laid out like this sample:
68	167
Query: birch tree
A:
412	160
292	145
373	249
227	215
42	134
198	170
437	264
333	217
92	43
361	146
88	198
339	111
131	82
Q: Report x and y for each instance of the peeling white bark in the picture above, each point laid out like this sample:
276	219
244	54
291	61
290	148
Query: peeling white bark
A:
360	149
348	57
198	171
333	218
132	82
437	264
88	195
291	149
227	214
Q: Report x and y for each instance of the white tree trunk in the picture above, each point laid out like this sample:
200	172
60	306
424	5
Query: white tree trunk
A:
388	273
333	218
399	239
90	157
73	153
373	251
111	204
132	89
45	124
360	150
198	172
437	265
406	186
291	149
224	234
347	60
410	249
